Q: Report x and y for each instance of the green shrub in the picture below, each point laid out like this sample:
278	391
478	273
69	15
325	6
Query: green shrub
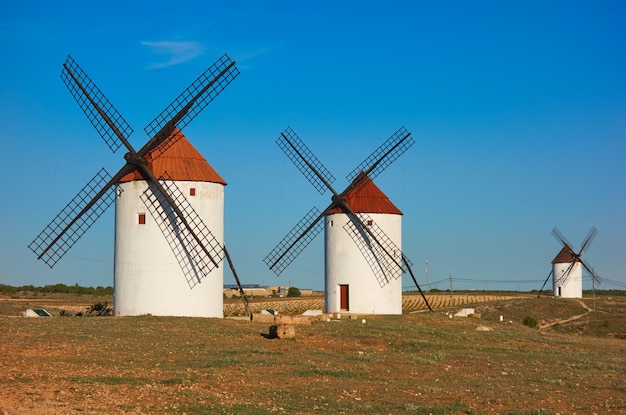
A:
293	292
530	322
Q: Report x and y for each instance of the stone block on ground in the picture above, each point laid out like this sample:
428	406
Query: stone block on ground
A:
465	312
282	331
262	318
285	319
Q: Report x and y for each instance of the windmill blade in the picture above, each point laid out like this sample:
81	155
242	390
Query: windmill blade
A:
305	161
592	272
163	194
562	279
197	251
384	155
373	253
75	219
591	235
295	241
111	126
378	253
559	237
191	101
339	201
381	254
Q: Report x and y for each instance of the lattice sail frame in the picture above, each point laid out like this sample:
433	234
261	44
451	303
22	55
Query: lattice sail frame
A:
384	155
576	257
94	104
317	174
209	85
61	234
49	245
295	149
190	255
295	241
564	275
376	255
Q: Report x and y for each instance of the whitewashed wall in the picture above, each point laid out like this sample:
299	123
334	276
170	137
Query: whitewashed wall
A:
345	264
148	279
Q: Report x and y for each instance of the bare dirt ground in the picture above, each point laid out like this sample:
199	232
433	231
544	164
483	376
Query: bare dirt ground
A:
417	363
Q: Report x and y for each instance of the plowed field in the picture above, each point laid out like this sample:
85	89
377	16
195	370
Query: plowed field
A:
410	302
417	363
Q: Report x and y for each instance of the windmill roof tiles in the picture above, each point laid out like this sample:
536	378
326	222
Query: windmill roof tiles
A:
564	256
177	158
366	197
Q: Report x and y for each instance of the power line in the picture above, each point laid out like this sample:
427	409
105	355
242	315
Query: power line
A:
606	281
613	282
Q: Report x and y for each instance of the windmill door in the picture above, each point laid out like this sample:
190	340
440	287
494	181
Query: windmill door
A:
344	303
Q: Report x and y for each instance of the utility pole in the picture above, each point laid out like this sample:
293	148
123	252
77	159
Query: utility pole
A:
451	295
427	287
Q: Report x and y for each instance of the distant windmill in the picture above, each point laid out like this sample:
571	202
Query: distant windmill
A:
567	267
363	230
157	262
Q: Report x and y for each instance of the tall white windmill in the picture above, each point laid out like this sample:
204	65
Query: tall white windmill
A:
160	258
149	266
350	261
363	257
567	267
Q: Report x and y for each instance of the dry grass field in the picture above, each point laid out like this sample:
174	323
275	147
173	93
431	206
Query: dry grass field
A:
573	362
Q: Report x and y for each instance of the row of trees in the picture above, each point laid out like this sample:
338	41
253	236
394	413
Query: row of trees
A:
56	288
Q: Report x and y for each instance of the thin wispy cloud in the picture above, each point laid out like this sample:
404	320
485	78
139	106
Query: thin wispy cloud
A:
175	52
243	58
253	54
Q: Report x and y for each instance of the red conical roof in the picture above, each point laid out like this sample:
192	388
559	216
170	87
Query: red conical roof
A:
179	160
366	197
565	256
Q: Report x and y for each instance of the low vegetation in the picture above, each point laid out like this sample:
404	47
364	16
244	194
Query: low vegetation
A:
54	289
293	292
573	361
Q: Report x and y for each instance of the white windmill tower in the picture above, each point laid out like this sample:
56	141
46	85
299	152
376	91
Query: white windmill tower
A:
567	267
348	274
567	275
363	259
160	258
146	266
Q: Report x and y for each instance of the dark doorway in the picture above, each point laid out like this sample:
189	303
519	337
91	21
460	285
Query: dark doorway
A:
344	297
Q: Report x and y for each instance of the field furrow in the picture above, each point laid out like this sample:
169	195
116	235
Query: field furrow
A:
410	303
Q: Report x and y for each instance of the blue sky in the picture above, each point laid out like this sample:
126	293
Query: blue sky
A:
518	111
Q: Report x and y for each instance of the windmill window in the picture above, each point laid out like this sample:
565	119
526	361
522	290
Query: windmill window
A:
141	218
330	223
369	222
192	191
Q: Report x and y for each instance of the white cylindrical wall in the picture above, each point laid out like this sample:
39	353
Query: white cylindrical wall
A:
570	287
346	266
148	278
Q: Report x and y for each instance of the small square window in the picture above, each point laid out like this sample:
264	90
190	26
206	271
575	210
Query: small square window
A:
192	191
369	222
142	218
